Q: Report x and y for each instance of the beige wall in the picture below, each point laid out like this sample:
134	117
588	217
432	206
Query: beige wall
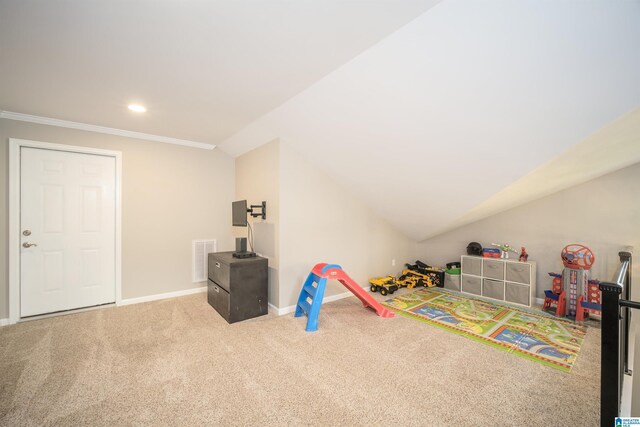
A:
170	196
257	179
603	214
321	221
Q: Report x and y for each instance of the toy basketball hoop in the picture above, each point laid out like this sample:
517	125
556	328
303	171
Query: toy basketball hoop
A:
577	257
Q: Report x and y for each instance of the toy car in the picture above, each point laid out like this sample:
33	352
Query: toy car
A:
386	285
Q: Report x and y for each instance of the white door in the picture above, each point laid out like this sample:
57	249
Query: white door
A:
67	214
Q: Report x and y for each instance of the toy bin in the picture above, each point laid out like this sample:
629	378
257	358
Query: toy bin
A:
437	276
452	280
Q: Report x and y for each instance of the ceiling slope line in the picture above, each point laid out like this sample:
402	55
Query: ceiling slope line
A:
609	149
103	129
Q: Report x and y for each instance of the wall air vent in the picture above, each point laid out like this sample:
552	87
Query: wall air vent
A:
201	248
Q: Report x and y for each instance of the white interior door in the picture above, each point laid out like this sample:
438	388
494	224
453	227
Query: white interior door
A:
67	212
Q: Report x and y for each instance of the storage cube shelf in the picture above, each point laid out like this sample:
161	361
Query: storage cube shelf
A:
505	280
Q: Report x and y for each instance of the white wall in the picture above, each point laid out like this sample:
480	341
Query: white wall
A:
312	219
170	196
603	214
258	179
462	101
321	221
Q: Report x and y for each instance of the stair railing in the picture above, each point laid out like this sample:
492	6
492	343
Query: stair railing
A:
616	318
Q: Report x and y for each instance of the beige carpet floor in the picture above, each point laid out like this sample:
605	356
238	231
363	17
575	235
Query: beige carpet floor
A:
177	362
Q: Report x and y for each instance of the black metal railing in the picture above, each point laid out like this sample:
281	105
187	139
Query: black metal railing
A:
616	318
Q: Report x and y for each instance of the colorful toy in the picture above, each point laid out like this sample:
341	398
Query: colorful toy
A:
504	249
524	256
411	278
436	274
590	305
408	279
572	291
453	268
491	253
556	295
386	285
310	299
418	274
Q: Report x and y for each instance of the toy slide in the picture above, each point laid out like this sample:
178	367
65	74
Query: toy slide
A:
310	299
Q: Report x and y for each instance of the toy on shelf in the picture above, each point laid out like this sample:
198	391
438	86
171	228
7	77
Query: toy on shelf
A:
524	256
491	253
453	267
504	249
474	248
310	299
573	293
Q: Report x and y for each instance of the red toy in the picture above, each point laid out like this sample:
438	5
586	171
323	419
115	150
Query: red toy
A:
592	305
556	295
491	253
572	292
524	256
312	293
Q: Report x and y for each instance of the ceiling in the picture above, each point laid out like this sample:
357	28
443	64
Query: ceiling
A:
463	102
433	113
204	69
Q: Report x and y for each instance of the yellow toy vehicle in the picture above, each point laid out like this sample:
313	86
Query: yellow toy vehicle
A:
411	278
386	285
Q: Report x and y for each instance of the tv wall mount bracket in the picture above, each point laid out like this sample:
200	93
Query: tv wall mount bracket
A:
263	210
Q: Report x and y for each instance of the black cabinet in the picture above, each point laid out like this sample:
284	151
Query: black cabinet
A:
237	287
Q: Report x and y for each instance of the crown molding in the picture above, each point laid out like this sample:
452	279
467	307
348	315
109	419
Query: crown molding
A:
102	129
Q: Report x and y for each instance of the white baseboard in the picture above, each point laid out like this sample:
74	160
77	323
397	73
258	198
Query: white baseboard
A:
273	308
129	301
166	295
326	299
540	301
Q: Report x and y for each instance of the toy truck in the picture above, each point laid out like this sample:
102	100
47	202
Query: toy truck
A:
411	278
386	285
434	273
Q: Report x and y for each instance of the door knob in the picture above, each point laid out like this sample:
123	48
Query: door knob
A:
28	245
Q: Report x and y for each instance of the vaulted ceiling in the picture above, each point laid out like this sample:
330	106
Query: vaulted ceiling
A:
204	69
434	113
463	102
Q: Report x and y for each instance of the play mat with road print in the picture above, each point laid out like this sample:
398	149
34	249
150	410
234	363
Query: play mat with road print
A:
533	335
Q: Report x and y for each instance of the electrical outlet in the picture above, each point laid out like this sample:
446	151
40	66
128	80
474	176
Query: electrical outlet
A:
393	263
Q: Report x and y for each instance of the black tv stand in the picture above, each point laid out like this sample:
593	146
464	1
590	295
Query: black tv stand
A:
245	254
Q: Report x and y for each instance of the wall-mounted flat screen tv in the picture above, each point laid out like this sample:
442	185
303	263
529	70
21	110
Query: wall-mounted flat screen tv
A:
239	213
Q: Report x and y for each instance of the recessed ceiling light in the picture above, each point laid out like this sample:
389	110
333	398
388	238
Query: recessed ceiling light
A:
137	108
